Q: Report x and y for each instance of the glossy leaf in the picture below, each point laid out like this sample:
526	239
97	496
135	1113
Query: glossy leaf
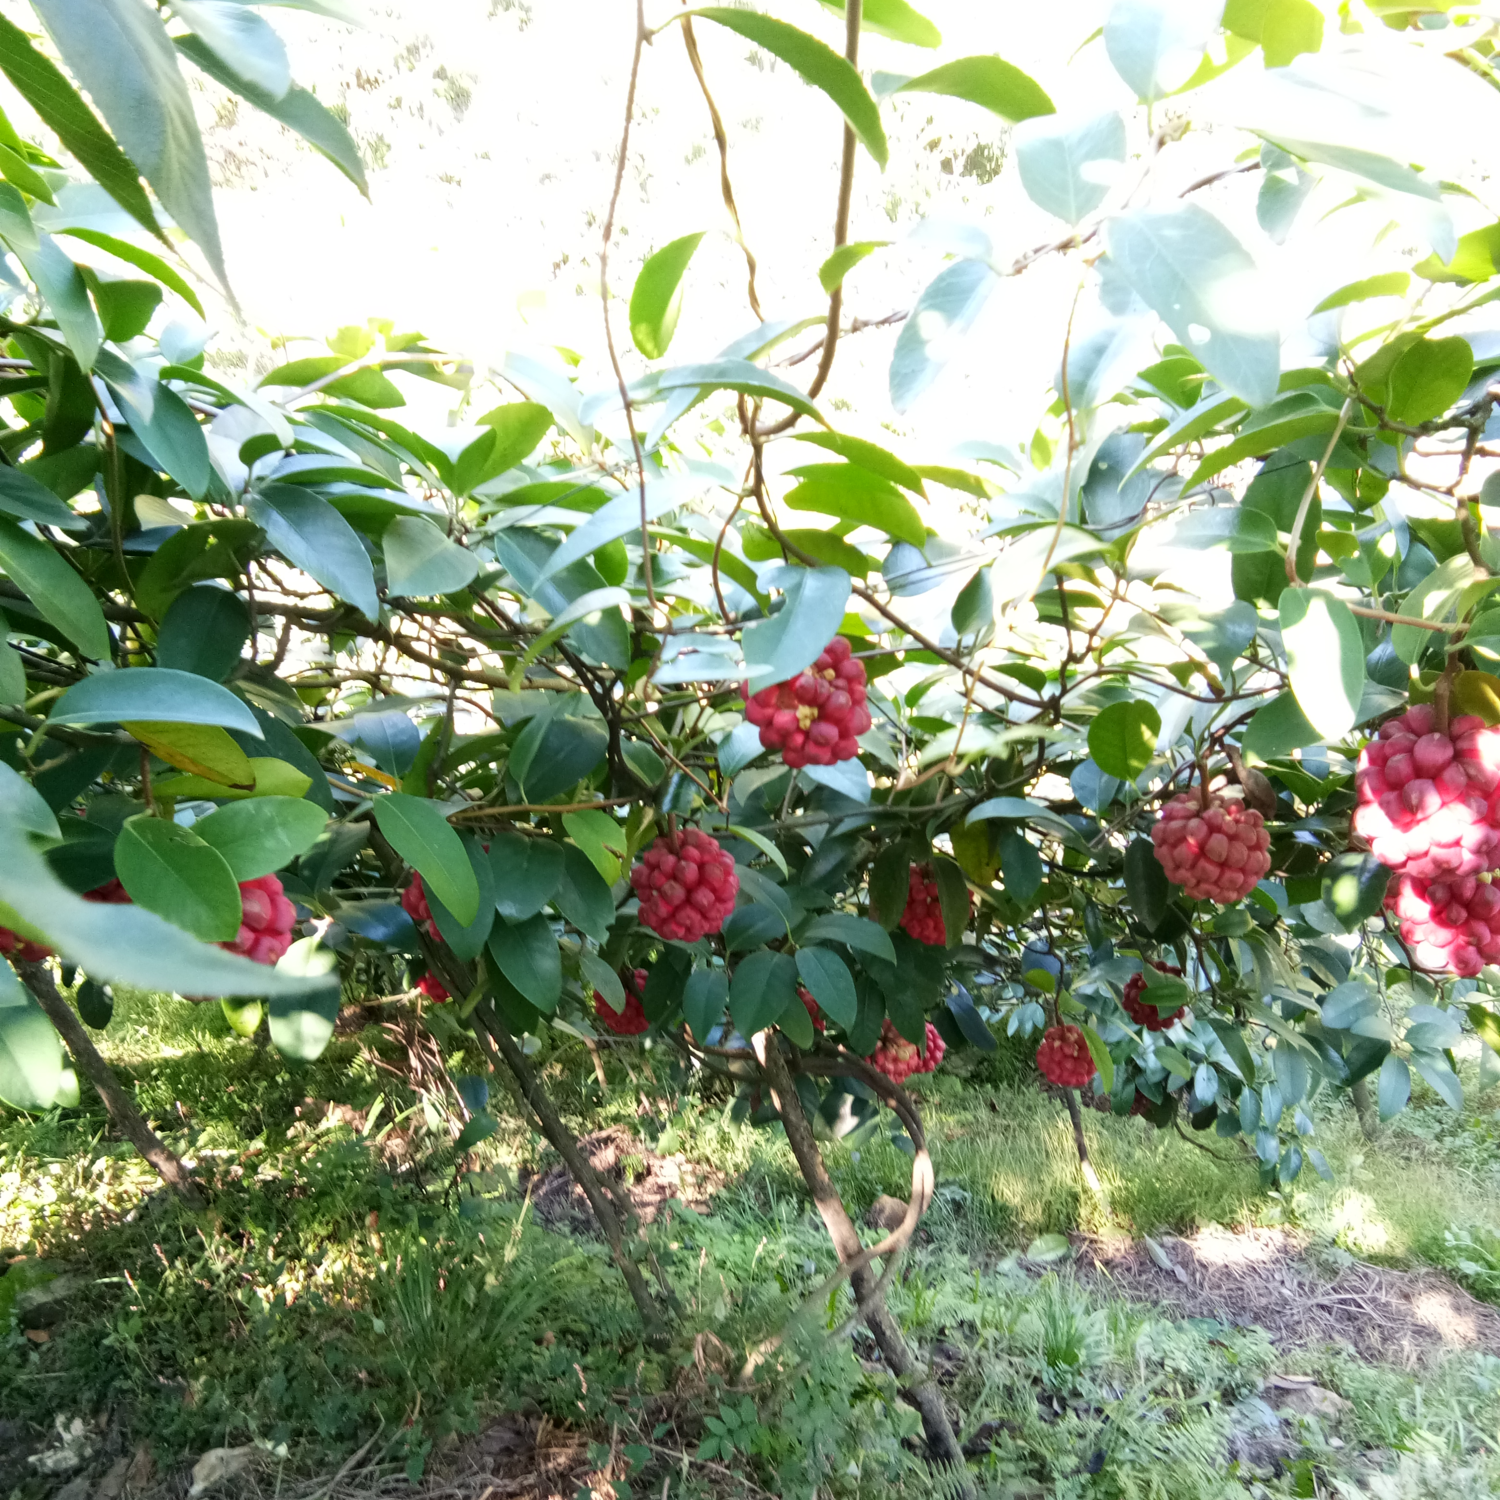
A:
162	421
301	1025
867	455
420	561
168	869
853	493
703	1001
1428	378
827	978
59	594
656	301
1067	165
1325	659
144	260
990	82
526	873
843	260
1122	738
854	932
31	1056
25	498
1393	1088
781	646
933	333
764	985
273	778
313	536
895	19
62	284
527	954
814	62
242	40
467	941
1146	883
119	51
204	632
259	837
582	896
420	833
1278	728
203	750
153	694
1156	45
514	431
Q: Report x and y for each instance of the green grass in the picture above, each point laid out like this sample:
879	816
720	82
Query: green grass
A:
337	1292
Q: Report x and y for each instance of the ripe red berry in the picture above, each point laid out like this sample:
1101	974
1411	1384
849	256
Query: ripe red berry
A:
923	917
431	986
1142	1013
112	893
1452	926
1429	803
1214	851
266	921
1064	1057
632	1020
815	718
898	1058
686	884
414	904
813	1013
13	945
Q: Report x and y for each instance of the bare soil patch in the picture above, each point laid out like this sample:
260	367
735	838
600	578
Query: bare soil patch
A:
1271	1277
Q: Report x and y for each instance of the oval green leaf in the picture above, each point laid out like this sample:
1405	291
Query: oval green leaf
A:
1122	738
153	695
656	301
419	831
168	869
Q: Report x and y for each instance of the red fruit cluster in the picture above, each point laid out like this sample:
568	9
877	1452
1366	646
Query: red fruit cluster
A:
816	717
923	917
898	1058
266	921
431	986
1452	926
686	884
1214	851
1142	1013
1427	801
632	1020
1064	1057
414	904
13	945
813	1013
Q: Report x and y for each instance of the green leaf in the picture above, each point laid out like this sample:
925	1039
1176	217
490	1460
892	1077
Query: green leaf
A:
273	778
1477	258
515	430
153	694
815	63
420	561
1486	1024
853	493
59	594
204	632
867	455
603	978
830	983
1388	284
1428	378
953	897
793	638
20	173
144	260
1020	864
39	81
1146	883
241	40
825	547
1434	1068
895	19
263	835
1294	417
1290	28
990	82
1234	1044
764	984
28	499
65	291
126	306
1157	45
725	375
301	1026
1354	888
843	260
1325	659
1122	738
297	109
1173	1061
703	1001
200	749
582	896
856	932
163	422
945	311
889	887
1435	598
1067	164
527	873
1277	729
656	301
527	955
96	1004
23	808
597	834
1235	526
1100	1053
1394	1087
420	833
31	1056
1199	280
761	842
467	941
313	536
119	51
168	869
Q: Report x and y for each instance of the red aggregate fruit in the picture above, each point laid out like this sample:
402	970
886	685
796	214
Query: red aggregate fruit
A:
431	986
414	904
1140	1011
13	945
813	1013
1216	851
112	893
816	717
686	884
632	1020
266	921
923	917
1452	926
1428	803
1064	1057
898	1058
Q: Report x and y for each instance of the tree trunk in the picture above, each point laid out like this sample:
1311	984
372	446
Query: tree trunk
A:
566	1146
122	1108
919	1390
1364	1107
1090	1176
